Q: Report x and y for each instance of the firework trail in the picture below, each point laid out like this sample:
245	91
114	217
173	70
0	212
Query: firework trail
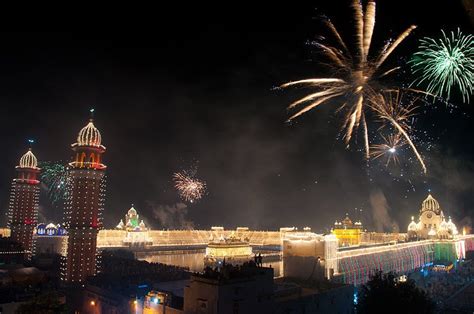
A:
54	176
445	63
189	187
390	109
357	74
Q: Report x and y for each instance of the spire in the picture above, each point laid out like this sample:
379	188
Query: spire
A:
30	143
91	114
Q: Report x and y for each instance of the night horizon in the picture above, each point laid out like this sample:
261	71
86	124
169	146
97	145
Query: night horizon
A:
207	97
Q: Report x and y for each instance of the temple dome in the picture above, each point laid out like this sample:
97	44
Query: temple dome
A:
89	136
443	225
28	160
413	226
132	211
51	226
451	226
430	204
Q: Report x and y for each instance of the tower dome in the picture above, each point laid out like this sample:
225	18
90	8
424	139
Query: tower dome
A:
430	204
28	160
89	136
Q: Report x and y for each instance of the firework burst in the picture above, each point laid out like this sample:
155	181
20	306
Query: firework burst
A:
189	187
445	63
54	176
356	85
388	149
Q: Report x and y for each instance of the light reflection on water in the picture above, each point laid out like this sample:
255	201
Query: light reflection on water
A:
193	260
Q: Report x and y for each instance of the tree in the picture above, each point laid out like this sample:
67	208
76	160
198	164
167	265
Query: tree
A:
383	294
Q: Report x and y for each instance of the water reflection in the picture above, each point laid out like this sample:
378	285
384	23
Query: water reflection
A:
194	260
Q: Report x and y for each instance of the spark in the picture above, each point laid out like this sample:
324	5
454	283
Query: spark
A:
445	63
54	176
358	74
189	187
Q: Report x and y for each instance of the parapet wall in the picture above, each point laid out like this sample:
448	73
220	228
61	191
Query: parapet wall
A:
115	238
355	266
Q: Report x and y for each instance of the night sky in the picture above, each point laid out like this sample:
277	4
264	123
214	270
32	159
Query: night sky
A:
195	85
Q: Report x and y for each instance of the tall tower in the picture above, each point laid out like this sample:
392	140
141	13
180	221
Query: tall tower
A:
24	198
84	205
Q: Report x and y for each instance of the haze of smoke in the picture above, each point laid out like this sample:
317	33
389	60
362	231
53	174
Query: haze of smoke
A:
381	217
172	216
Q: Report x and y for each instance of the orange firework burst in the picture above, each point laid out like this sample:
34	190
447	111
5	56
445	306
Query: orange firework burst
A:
389	148
357	75
190	188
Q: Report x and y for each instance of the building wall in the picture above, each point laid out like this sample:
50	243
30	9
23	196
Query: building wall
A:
115	238
23	211
51	244
83	220
357	265
246	295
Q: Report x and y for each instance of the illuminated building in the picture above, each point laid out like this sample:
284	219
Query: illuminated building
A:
309	255
233	249
84	205
347	232
50	230
50	239
431	223
24	200
131	222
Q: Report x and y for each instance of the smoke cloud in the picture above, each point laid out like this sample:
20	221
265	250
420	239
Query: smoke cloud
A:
171	216
380	213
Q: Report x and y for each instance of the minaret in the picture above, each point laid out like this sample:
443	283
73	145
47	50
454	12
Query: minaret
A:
84	205
24	199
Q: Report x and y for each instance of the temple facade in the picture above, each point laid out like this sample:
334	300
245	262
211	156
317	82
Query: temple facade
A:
131	222
348	233
431	223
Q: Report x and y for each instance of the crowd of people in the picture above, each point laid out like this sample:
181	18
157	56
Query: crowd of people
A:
441	285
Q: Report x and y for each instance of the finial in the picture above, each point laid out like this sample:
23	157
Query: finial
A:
30	143
91	111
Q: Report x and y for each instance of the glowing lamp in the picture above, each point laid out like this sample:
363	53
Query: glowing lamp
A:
92	303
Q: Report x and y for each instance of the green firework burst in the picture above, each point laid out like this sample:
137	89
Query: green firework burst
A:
445	63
